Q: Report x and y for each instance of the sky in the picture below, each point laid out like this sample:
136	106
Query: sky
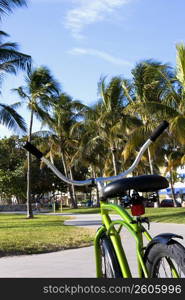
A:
82	40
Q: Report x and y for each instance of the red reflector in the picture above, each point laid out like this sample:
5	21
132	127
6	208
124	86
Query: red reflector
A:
137	209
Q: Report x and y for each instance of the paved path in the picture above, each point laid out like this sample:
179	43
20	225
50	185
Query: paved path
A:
74	263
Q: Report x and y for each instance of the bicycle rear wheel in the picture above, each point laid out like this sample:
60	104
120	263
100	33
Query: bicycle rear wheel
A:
109	262
162	258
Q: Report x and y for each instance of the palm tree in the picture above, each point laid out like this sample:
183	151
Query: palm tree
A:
65	114
10	62
37	94
175	101
170	105
103	131
147	89
112	122
173	159
6	6
11	59
173	104
91	151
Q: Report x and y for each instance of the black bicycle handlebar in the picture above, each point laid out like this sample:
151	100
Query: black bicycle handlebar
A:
158	131
33	150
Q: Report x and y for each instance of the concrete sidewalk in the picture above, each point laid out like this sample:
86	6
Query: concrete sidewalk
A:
75	263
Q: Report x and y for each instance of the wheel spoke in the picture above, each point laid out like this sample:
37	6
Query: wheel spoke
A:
168	268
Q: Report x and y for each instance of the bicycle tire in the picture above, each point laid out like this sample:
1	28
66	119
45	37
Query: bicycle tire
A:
109	261
159	253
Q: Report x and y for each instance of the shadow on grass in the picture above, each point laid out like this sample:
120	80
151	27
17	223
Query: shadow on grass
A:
50	249
32	225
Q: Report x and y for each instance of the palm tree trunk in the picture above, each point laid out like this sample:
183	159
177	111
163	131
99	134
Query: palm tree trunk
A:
73	190
157	203
29	207
69	187
113	151
90	197
64	164
172	189
97	192
98	198
150	162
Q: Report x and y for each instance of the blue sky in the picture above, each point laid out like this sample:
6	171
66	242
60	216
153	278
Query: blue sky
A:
80	40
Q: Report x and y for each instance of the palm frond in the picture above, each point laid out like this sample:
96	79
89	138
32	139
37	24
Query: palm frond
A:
2	34
12	60
102	90
21	91
10	118
183	160
180	73
16	105
177	127
6	6
127	90
136	139
40	113
152	108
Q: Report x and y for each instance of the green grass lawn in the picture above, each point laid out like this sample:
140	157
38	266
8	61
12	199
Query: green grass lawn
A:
47	233
44	233
166	214
162	214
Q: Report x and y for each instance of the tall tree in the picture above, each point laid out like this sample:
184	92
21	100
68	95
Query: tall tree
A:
103	130
112	122
40	88
169	105
11	60
65	114
147	89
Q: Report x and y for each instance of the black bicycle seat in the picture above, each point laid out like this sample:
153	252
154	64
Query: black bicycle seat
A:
143	183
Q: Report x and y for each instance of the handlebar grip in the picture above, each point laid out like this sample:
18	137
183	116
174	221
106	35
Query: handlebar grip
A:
159	130
33	150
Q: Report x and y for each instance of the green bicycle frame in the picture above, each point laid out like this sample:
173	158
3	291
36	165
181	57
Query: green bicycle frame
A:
135	228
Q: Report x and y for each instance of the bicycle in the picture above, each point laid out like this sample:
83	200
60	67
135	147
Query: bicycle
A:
163	256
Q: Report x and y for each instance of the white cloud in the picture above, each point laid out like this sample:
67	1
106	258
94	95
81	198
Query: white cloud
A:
81	13
101	54
87	12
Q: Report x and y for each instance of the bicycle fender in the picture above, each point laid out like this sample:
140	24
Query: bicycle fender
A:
164	238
